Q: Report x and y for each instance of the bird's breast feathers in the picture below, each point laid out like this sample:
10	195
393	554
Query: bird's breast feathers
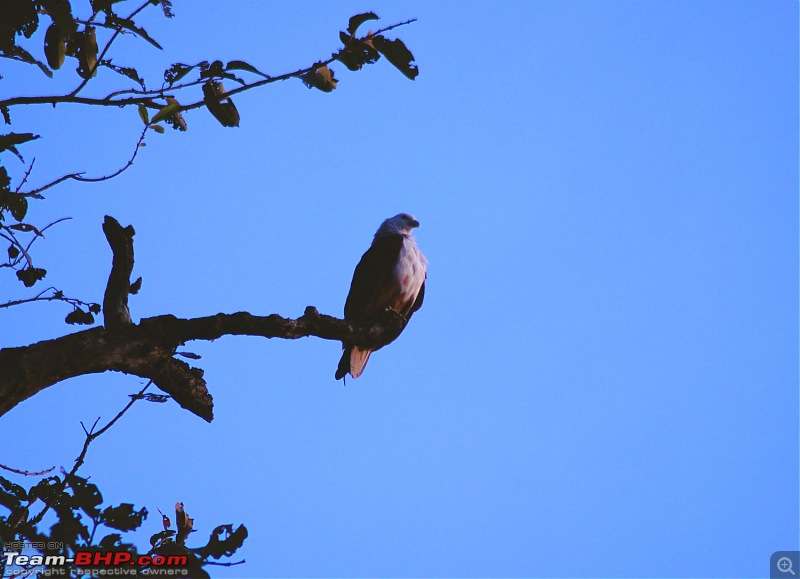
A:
409	273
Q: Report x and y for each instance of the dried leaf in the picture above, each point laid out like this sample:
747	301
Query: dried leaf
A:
87	53
124	23
55	46
321	78
242	65
219	105
166	111
397	53
126	71
358	20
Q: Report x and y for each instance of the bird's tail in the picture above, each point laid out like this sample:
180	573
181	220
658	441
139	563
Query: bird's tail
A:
358	361
353	360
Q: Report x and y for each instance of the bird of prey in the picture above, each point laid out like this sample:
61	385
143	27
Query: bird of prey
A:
390	275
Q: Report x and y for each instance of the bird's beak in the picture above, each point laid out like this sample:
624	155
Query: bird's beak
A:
415	223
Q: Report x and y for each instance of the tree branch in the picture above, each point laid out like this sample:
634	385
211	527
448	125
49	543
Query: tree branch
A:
144	349
115	301
147	100
36	193
117	32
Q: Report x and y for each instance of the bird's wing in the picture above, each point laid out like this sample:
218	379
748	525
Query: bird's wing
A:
417	302
372	288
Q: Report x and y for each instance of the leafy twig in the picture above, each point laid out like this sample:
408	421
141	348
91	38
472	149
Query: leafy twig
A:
117	32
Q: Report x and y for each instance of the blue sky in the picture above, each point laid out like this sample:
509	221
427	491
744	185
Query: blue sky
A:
603	380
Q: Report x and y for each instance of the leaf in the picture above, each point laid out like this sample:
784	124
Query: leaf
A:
125	71
103	5
175	120
123	517
143	114
226	546
158	128
9	142
190	355
6	114
109	542
19	208
30	275
357	53
159	398
26	228
135	286
94	308
358	20
55	46
177	71
11	494
397	53
19	53
80	318
215	70
87	53
13	252
61	13
158	537
17	205
46	490
87	495
321	78
166	6
124	23
219	105
242	65
166	111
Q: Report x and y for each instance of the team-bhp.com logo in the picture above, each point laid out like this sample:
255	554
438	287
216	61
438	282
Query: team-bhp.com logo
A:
121	560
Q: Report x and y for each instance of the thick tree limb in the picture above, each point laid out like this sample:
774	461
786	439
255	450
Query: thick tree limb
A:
115	300
147	350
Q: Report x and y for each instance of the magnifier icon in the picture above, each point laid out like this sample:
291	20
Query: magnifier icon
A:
784	565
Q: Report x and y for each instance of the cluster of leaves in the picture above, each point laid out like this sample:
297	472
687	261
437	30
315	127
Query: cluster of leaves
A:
64	36
80	520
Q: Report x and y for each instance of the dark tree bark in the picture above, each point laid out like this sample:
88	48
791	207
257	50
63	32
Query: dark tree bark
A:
148	349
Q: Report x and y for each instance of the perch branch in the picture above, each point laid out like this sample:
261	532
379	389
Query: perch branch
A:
148	349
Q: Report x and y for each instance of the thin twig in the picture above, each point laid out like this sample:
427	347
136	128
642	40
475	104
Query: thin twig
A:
10	237
91	435
79	177
25	177
45	228
147	100
27	472
231	564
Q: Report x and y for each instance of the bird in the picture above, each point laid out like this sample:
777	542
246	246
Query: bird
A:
390	276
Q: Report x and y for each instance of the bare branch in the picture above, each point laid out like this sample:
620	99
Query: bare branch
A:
79	176
57	296
27	472
91	435
115	302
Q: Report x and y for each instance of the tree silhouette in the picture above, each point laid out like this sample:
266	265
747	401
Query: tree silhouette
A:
84	36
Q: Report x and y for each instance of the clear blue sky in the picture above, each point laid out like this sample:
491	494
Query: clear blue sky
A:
603	380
